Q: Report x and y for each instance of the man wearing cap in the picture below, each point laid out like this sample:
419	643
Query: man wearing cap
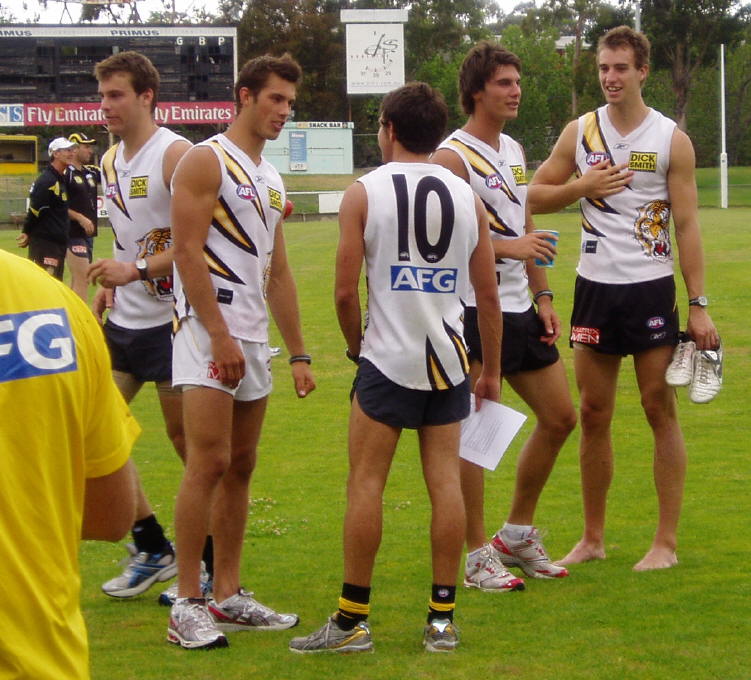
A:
82	179
45	230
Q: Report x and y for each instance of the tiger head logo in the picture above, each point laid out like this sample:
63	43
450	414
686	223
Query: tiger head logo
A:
652	230
154	242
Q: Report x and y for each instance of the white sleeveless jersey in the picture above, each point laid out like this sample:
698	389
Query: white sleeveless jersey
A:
138	204
499	178
240	241
420	233
626	236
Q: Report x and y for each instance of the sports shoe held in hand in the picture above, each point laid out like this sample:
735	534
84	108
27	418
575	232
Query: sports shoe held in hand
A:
681	368
707	375
331	638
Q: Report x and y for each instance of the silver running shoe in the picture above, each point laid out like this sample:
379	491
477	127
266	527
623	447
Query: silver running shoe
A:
528	554
440	635
681	368
485	571
142	571
707	378
331	638
192	627
242	612
167	597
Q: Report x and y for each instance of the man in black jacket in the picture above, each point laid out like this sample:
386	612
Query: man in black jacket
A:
47	224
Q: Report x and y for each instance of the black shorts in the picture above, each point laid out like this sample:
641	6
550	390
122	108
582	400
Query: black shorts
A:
624	318
521	348
391	404
81	246
48	254
144	353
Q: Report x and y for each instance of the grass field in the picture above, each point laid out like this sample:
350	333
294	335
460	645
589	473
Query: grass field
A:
603	622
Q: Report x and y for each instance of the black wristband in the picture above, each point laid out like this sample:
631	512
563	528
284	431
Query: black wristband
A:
306	358
354	358
541	293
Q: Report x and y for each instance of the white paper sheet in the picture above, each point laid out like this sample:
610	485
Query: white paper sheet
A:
487	433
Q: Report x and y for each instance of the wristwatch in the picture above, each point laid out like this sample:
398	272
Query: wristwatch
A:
700	301
143	268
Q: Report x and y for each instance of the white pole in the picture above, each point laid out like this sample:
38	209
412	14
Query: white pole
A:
723	154
637	15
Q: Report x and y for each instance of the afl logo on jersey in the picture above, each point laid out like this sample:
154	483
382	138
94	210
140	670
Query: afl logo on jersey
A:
595	157
111	191
247	192
494	181
655	322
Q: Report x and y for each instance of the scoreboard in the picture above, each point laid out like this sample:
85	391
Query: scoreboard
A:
54	65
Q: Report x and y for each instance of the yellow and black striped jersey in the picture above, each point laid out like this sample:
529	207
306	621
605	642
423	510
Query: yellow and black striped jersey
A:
626	236
420	233
138	205
240	240
499	178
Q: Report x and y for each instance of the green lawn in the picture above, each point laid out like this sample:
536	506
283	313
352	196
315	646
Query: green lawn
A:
603	622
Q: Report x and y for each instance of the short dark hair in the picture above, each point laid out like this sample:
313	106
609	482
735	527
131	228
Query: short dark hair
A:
478	67
143	75
418	115
625	36
255	73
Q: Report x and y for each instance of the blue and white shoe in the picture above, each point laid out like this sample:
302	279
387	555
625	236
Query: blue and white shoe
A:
142	571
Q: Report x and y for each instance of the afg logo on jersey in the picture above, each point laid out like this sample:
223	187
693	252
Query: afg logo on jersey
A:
656	322
36	343
424	279
595	157
642	161
139	187
247	192
494	181
520	177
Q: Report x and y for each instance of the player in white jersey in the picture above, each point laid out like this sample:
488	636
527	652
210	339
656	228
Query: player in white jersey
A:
633	168
229	254
422	235
495	167
136	283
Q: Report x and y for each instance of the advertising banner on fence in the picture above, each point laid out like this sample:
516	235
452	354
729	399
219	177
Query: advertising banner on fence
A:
89	113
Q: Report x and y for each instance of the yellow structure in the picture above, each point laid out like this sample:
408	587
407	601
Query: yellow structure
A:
19	154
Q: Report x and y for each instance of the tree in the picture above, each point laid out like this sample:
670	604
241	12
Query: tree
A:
685	35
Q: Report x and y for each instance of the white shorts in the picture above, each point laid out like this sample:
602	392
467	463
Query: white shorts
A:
193	364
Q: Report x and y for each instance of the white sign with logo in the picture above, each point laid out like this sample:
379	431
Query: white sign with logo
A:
375	58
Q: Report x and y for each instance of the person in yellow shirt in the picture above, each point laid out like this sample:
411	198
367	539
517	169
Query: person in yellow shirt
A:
65	440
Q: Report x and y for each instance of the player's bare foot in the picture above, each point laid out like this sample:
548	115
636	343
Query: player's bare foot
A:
583	552
657	558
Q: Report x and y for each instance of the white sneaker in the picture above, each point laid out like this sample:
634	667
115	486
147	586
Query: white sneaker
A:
707	378
528	554
168	597
192	627
243	612
484	571
681	368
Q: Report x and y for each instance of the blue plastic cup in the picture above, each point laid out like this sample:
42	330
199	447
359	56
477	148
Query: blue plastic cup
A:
552	236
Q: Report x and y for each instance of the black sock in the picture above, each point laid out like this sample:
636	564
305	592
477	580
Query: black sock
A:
442	603
149	537
353	606
208	555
